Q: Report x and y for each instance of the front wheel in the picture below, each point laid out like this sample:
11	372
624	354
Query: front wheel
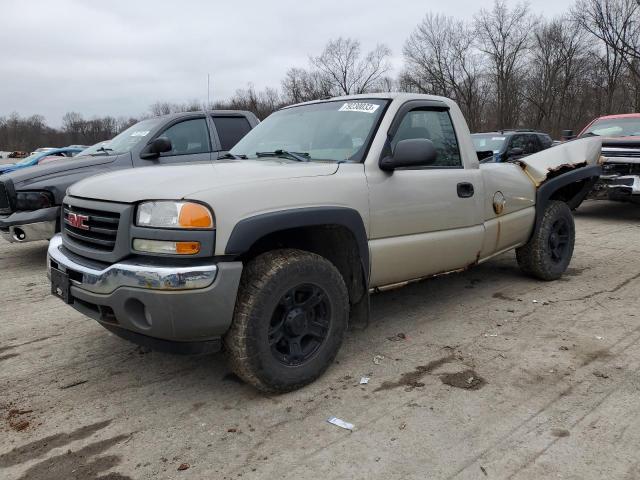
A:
290	318
548	253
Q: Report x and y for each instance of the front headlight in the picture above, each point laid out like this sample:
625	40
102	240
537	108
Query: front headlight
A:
33	200
166	214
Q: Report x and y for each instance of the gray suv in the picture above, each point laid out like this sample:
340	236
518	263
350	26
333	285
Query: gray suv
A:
30	199
509	145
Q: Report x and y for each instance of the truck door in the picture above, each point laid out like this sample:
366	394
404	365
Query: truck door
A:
424	220
190	142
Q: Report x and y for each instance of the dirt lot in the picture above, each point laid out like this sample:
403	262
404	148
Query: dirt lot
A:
497	376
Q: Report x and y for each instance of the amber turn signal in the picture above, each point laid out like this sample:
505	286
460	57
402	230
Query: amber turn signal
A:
187	248
194	215
166	247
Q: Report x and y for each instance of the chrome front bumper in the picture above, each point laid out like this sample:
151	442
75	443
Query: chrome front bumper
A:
161	304
629	184
27	226
96	278
29	232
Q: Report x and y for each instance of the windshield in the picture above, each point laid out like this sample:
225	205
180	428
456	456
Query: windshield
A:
27	160
614	127
488	141
327	131
125	141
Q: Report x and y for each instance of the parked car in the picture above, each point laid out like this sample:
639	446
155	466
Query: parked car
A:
37	156
53	158
274	251
30	199
620	136
509	145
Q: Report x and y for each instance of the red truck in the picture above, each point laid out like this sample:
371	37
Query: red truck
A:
620	134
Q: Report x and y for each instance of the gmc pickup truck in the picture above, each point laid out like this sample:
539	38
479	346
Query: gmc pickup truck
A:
269	254
30	198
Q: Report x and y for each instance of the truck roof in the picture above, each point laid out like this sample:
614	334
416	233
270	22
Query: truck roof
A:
244	113
384	96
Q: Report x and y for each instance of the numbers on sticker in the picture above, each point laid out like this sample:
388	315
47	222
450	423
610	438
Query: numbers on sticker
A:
363	107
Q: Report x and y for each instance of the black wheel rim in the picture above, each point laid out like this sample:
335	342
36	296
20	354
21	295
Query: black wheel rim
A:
559	240
300	324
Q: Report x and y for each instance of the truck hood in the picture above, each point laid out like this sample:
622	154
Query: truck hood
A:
176	182
25	176
566	156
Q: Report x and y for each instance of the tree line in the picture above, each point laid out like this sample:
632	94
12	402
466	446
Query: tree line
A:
506	67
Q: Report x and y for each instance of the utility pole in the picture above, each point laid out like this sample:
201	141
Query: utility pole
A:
208	92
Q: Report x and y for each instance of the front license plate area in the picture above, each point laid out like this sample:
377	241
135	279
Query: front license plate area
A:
60	285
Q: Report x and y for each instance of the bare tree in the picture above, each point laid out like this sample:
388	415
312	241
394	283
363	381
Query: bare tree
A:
504	36
262	104
616	23
440	59
300	85
164	108
557	69
347	71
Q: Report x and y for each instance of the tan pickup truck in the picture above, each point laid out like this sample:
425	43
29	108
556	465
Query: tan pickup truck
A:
270	253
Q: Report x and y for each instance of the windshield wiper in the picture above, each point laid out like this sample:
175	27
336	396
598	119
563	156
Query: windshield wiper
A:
299	156
591	134
104	150
231	156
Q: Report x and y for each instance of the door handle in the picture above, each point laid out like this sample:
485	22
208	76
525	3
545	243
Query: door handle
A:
465	190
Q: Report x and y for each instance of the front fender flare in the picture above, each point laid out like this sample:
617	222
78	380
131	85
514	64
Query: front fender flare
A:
547	189
247	231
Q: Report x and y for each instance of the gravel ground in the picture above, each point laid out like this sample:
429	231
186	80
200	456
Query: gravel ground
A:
484	374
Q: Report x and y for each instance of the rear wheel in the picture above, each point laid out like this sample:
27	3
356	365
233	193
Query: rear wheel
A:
548	253
290	318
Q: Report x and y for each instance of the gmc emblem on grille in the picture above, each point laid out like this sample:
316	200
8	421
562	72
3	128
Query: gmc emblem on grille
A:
78	221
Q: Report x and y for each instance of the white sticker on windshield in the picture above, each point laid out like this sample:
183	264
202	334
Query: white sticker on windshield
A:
498	138
359	107
140	133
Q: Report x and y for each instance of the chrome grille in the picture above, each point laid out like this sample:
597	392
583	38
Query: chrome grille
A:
98	229
621	153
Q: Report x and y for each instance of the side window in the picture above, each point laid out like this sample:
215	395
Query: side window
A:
518	141
188	137
231	130
545	140
532	145
434	125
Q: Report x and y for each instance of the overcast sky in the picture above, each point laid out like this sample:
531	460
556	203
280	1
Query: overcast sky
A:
114	57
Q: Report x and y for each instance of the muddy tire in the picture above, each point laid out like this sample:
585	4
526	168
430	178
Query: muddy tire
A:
548	253
289	322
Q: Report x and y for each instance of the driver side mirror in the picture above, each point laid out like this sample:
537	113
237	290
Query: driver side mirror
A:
413	152
155	148
515	152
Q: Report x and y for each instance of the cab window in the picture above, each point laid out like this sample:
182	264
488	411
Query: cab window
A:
188	137
231	130
528	143
434	125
